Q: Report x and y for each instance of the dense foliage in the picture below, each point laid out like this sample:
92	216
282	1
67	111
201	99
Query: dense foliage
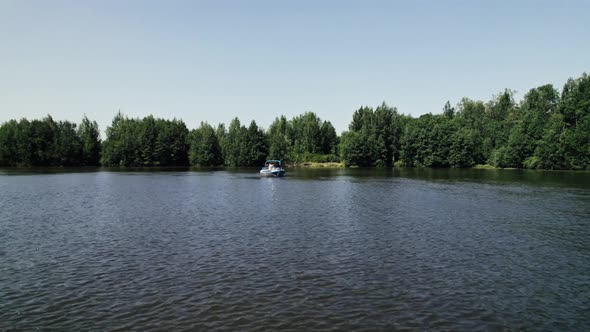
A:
46	142
547	129
204	146
145	142
374	137
304	138
243	146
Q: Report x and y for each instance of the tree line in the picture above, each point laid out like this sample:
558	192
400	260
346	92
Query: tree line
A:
546	130
46	142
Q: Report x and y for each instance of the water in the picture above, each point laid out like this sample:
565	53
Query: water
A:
316	250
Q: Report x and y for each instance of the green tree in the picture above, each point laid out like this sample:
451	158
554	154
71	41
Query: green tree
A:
255	149
68	145
231	144
205	149
304	136
145	142
550	152
575	109
462	149
529	123
377	137
448	111
328	139
8	144
278	139
90	136
221	134
471	116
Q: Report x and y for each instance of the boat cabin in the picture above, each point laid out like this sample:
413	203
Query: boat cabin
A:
271	164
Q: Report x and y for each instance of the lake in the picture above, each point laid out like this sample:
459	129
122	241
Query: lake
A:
320	249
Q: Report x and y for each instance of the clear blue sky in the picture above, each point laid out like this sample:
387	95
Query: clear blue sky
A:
215	60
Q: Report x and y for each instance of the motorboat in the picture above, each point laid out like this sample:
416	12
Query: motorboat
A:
272	168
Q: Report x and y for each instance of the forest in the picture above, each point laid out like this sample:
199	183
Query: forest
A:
547	129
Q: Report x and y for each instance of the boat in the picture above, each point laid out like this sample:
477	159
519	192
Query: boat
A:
272	168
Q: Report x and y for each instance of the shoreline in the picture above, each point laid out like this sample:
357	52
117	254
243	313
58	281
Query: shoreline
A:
301	165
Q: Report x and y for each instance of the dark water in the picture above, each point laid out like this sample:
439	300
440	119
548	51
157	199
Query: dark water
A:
317	250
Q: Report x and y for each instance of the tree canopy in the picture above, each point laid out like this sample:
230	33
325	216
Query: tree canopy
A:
546	129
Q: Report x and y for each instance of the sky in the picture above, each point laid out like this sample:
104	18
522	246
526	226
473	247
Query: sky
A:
256	60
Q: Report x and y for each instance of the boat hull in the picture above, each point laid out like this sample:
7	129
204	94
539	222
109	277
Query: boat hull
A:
277	174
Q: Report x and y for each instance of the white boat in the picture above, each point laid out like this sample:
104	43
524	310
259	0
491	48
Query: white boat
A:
272	168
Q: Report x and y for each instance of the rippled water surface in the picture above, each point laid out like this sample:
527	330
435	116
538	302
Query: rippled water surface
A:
316	250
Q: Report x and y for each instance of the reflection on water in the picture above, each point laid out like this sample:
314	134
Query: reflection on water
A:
332	249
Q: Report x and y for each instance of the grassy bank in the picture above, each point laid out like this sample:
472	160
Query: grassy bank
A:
312	164
484	166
